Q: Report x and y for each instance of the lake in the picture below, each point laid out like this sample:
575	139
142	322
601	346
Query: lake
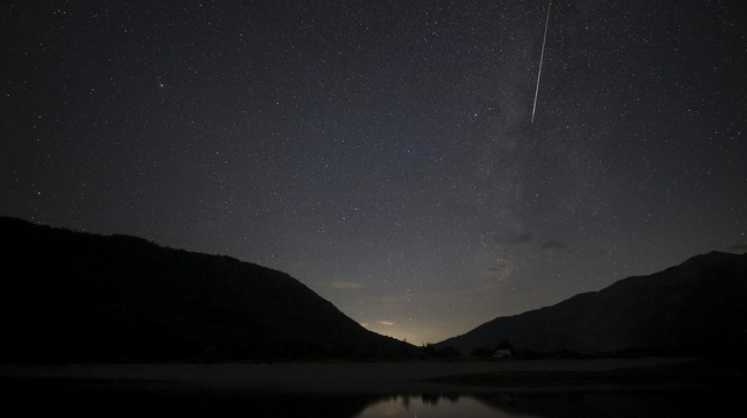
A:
557	405
85	400
368	390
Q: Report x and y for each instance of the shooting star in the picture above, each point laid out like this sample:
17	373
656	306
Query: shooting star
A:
542	56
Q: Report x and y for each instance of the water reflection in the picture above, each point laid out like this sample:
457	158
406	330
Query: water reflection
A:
675	404
88	398
433	407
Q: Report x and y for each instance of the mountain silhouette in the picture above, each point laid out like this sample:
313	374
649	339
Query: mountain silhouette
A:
695	308
78	297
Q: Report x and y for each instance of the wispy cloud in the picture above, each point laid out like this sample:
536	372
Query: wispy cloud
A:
515	240
554	245
501	268
385	323
520	239
347	285
740	247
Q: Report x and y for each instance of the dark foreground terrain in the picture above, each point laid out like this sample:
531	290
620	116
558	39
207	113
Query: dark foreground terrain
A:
361	389
694	309
73	297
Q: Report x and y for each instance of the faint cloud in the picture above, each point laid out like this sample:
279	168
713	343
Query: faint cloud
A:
740	247
554	245
385	323
560	248
347	285
599	254
516	240
390	299
500	267
524	238
364	324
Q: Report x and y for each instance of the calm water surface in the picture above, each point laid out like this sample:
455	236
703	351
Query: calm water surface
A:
642	404
84	399
401	407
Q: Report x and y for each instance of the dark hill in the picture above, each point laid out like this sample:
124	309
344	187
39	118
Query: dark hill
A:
76	297
696	308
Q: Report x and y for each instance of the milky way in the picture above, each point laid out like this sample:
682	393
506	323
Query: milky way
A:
383	152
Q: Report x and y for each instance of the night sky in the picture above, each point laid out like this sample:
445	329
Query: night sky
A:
381	152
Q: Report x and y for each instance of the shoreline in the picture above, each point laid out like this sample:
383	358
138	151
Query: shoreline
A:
407	378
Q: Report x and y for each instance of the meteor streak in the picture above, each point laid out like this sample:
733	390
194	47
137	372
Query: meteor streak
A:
542	56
